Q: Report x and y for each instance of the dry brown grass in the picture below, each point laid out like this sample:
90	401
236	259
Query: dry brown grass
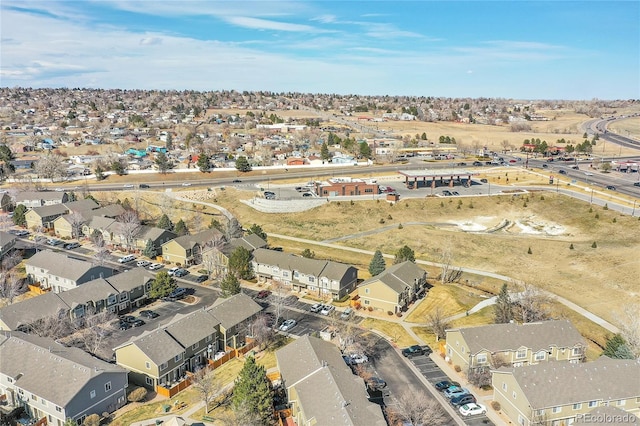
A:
451	299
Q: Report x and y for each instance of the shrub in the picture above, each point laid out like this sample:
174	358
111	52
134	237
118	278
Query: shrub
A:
389	313
137	395
389	217
400	226
399	314
571	246
457	368
381	220
495	405
529	251
594	245
597	216
441	203
352	203
590	209
606	207
614	220
542	198
92	420
178	264
470	204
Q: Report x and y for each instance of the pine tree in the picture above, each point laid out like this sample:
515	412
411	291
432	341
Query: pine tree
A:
242	164
162	285
252	393
618	348
404	254
150	250
377	264
215	224
503	309
324	152
230	285
181	228
18	215
163	163
165	223
240	263
257	229
203	162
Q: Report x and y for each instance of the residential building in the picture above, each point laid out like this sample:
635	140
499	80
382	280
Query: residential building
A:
46	215
7	243
346	186
323	278
321	388
112	233
216	259
31	199
556	393
514	344
55	383
59	272
187	249
162	357
393	289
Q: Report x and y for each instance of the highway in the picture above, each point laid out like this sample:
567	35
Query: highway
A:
599	127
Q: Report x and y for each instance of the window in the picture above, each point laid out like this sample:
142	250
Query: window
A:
593	404
463	350
178	357
514	394
163	366
539	413
149	381
35	398
312	279
122	297
481	358
522	353
366	302
541	355
44	401
9	380
195	345
504	386
577	406
148	365
107	386
209	338
366	291
296	274
556	410
285	274
521	420
92	394
576	351
111	300
621	402
58	409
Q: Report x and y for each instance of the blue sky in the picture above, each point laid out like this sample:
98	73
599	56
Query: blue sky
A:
508	49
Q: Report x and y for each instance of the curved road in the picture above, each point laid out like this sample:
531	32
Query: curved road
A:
599	127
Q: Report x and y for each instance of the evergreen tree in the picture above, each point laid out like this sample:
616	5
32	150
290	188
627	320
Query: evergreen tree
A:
203	162
404	254
365	150
215	224
72	196
324	152
169	141
150	250
257	229
162	285
99	172
377	264
163	163
18	215
308	254
230	285
240	263
242	164
617	348
252	392
181	228
165	223
503	309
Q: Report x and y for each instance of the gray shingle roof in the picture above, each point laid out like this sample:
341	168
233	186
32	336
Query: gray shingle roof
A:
192	328
48	369
152	233
103	223
128	280
326	388
112	210
59	264
315	267
6	238
39	195
31	310
552	384
537	336
52	210
82	205
400	276
158	345
234	310
189	241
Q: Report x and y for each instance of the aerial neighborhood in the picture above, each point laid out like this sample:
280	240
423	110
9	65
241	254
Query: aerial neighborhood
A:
258	258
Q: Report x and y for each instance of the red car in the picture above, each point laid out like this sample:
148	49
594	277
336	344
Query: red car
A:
263	294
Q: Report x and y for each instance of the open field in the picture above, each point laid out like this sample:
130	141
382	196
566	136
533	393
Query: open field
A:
629	127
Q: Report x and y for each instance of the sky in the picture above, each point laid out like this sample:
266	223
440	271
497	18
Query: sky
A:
575	50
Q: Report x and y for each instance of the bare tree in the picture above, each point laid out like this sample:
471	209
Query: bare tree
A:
10	260
630	327
262	330
128	227
479	376
11	286
532	305
233	229
53	326
448	274
417	408
51	166
94	330
206	384
211	255
438	324
5	222
76	220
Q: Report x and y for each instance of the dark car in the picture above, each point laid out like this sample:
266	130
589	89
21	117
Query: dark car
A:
149	314
202	278
71	246
143	185
124	325
178	293
376	383
462	400
445	384
138	323
263	294
412	351
477	163
236	181
562	172
483	180
636	183
611	187
462	163
181	273
128	318
544	166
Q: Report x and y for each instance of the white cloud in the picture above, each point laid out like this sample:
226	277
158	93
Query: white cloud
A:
264	24
147	41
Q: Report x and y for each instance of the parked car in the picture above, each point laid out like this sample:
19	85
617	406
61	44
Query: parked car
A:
455	391
446	193
376	383
127	259
288	325
71	246
180	273
155	266
202	278
462	400
263	294
327	309
143	263
21	233
177	294
173	270
123	325
446	384
359	358
54	242
412	351
147	313
316	307
634	183
346	314
131	320
307	194
472	409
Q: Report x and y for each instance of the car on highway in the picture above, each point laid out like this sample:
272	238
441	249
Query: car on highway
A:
155	266
316	308
307	194
287	325
562	172
143	186
446	193
147	313
512	161
327	309
462	400
472	409
483	180
477	163
611	187
143	263
236	181
455	193
186	184
446	384
127	185
636	183
545	166
588	174
576	167
71	246
412	351
263	294
455	392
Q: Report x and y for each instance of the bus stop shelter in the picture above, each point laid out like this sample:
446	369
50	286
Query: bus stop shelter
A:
433	178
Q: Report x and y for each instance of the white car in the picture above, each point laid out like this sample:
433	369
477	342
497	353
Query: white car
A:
316	307
186	184
155	266
359	358
173	270
327	309
288	325
472	409
143	263
127	185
